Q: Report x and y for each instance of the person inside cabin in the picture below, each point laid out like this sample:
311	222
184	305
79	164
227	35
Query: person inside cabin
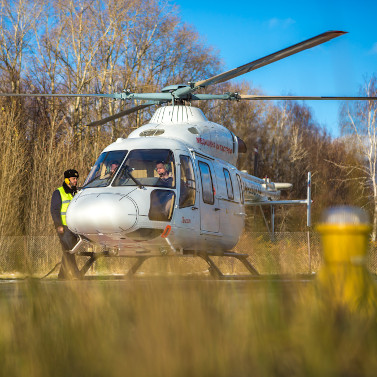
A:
163	170
112	168
162	200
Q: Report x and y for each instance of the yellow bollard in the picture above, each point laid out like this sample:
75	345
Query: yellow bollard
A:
344	278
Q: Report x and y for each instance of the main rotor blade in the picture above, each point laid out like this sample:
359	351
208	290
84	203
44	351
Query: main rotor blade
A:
114	96
120	114
309	43
305	98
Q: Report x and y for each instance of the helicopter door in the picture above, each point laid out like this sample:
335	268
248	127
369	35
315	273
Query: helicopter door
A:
188	207
209	209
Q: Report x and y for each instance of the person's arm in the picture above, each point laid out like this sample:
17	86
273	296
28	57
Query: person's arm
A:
56	204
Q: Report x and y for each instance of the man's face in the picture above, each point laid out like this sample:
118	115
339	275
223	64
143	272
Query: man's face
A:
161	171
113	167
73	181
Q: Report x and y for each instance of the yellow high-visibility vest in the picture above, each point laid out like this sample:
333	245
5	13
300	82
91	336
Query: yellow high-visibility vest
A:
66	199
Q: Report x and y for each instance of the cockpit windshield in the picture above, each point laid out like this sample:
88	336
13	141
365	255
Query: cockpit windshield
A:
105	169
147	167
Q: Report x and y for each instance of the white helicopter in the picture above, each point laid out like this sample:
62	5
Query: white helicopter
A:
172	187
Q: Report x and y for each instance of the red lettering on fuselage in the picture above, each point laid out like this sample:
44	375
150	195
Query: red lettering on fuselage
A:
212	144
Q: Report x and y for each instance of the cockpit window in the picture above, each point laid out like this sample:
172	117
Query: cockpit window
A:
147	167
105	169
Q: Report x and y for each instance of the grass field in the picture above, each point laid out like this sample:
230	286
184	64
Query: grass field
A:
177	327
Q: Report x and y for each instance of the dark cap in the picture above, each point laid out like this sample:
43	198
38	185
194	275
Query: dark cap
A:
71	173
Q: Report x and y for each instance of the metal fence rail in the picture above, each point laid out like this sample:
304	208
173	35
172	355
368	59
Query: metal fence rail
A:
287	253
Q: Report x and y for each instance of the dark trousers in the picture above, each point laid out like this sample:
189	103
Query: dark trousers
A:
68	267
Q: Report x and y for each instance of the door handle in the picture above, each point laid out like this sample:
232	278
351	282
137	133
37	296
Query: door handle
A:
217	209
194	208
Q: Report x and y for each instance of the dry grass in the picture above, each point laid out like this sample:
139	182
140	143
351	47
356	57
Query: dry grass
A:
175	327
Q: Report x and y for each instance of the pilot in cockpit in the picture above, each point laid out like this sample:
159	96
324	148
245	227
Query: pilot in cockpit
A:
164	180
162	201
111	169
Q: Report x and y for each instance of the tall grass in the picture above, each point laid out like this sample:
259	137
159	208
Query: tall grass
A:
180	327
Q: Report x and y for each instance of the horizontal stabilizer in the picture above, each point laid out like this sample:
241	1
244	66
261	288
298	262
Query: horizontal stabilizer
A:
275	202
283	186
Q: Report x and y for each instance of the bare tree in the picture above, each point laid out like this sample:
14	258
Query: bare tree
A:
12	171
359	120
17	20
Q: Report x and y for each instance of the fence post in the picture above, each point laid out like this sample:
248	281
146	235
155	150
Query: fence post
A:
309	253
25	264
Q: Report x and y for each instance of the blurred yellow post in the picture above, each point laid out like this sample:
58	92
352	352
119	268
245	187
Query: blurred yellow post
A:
343	277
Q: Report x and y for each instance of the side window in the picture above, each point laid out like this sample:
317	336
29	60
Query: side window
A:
229	185
240	187
207	184
187	183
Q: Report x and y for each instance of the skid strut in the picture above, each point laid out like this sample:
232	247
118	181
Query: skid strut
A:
206	256
136	265
92	258
215	271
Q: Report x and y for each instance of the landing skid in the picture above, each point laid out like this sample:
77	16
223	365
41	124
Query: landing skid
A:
206	256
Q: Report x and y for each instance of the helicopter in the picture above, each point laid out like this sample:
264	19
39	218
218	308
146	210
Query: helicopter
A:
172	188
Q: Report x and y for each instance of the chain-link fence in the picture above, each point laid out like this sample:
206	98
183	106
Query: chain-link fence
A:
286	253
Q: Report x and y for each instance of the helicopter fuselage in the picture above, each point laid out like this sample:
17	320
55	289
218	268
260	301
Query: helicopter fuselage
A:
200	207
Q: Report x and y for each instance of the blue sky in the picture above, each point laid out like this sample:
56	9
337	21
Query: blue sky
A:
242	31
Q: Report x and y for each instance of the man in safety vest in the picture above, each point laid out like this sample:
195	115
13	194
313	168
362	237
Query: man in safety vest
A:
60	200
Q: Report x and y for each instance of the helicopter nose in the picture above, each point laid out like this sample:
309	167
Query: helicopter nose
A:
103	213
